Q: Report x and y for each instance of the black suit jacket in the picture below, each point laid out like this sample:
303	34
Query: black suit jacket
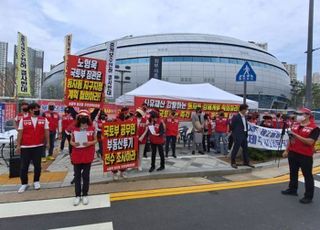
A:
237	128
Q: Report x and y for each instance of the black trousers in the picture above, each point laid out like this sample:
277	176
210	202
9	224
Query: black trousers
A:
65	137
297	161
52	136
154	148
99	135
27	155
171	140
206	142
237	143
81	171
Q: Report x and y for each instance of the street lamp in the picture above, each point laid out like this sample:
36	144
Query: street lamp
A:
121	80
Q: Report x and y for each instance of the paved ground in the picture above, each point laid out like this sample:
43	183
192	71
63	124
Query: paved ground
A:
259	207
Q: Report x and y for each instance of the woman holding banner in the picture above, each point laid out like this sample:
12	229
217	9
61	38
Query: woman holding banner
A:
83	140
142	127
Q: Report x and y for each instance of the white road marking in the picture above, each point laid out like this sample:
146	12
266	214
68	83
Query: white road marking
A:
316	183
51	206
101	226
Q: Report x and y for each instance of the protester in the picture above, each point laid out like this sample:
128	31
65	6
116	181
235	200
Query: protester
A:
53	118
142	127
33	135
66	121
24	113
172	132
102	119
267	121
146	116
221	132
303	136
207	132
277	122
197	119
82	155
157	131
239	129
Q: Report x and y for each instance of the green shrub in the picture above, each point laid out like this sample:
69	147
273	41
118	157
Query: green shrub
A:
262	155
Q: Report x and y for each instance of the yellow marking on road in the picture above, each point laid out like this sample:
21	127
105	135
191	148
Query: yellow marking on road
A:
200	188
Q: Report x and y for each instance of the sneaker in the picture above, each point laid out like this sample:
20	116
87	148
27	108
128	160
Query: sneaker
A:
115	176
76	201
140	169
36	185
23	188
151	169
43	160
85	200
289	192
50	158
160	168
305	200
123	175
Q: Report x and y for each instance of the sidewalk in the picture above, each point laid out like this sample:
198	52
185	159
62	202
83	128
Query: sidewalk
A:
59	173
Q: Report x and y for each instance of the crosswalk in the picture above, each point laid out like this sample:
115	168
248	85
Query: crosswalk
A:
316	180
61	205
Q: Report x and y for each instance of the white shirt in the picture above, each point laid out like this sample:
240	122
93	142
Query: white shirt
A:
34	121
243	118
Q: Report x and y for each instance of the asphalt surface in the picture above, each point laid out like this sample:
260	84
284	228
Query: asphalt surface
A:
248	208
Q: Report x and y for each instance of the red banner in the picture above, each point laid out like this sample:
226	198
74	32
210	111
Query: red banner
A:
85	81
120	145
10	111
184	108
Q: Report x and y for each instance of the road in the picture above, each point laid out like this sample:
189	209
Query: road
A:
259	207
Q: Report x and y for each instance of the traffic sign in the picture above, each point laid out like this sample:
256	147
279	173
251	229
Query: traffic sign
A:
246	73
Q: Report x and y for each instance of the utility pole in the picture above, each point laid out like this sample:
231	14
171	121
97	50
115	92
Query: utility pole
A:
309	57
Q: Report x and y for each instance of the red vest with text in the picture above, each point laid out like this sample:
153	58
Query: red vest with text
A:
158	140
141	129
172	126
33	135
67	120
83	155
53	119
222	125
298	146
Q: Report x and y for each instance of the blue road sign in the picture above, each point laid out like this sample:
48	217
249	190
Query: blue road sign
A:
246	73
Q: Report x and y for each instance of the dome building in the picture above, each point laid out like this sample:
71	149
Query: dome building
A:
187	59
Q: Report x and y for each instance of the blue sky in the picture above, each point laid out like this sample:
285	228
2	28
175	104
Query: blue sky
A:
281	23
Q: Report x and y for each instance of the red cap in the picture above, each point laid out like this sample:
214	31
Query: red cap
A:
305	110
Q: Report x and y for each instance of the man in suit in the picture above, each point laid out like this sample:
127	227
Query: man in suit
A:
197	122
239	130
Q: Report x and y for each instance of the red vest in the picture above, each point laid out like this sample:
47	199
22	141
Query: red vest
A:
172	126
20	116
83	155
277	123
33	135
296	145
67	120
53	119
141	129
158	140
222	125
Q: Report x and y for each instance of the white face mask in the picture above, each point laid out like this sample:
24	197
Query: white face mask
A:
300	118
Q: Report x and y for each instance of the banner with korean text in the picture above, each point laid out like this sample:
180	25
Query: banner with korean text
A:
85	81
111	59
120	145
184	108
22	67
266	138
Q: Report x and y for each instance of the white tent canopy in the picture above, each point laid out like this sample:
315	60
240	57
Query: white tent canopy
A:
204	92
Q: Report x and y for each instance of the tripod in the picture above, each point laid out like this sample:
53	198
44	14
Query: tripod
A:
283	132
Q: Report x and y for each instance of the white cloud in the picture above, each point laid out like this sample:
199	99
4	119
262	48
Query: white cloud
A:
283	24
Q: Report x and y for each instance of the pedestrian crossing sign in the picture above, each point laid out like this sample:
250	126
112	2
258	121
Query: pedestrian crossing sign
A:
246	73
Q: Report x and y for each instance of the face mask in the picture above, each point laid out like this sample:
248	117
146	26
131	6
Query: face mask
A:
103	117
25	110
172	114
36	112
300	118
51	107
222	114
84	120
